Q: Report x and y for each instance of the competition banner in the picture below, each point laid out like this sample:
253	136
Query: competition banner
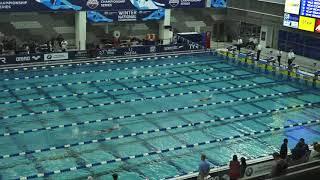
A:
124	15
41	5
219	3
96	5
21	59
142	4
57	5
15	5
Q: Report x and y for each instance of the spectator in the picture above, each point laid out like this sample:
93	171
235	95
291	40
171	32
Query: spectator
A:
243	167
1	48
59	40
115	176
279	165
279	54
234	166
56	46
64	44
204	168
284	149
27	49
316	147
291	57
49	46
300	151
33	47
259	49
315	155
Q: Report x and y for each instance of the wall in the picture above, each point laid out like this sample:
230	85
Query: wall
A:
37	26
259	13
304	44
95	32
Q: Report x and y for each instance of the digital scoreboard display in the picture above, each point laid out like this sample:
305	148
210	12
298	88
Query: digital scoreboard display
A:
302	14
310	8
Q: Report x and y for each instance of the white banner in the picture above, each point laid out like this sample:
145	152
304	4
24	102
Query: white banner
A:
56	56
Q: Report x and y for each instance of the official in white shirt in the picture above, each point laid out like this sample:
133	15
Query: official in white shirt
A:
291	57
259	49
64	45
239	43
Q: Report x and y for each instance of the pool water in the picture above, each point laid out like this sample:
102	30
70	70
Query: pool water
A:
146	118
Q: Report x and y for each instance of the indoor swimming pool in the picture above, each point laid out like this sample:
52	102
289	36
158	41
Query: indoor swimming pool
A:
148	117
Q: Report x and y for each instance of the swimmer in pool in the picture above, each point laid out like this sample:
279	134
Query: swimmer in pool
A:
108	130
205	99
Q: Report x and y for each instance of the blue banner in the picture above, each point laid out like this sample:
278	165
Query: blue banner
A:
96	5
21	59
124	15
41	5
143	4
84	55
141	50
219	3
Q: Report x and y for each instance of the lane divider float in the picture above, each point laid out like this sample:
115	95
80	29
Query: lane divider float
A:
147	113
137	133
162	151
112	90
86	82
107	80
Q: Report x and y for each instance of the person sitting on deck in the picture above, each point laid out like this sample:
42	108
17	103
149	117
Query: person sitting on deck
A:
300	150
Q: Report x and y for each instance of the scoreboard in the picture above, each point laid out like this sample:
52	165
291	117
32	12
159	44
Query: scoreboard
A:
302	14
310	8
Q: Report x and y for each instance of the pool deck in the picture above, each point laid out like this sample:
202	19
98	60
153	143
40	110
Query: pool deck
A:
305	63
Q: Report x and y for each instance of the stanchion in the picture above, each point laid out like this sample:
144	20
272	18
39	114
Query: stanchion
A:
315	78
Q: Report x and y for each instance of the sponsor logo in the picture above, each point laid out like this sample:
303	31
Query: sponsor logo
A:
49	56
291	20
130	52
249	171
36	58
174	3
193	46
23	59
92	4
3	60
108	52
81	54
172	48
153	49
56	56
